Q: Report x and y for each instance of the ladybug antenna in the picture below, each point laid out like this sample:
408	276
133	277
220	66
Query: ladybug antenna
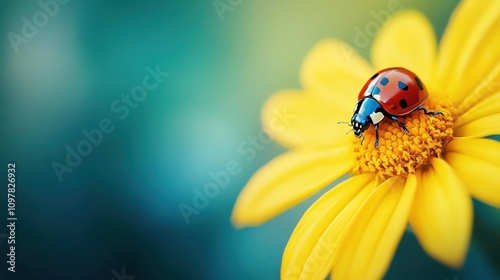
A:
345	123
348	125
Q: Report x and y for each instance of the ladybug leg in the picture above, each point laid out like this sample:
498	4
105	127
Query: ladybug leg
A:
429	113
401	124
376	136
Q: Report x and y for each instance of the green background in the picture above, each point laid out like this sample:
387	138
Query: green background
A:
119	208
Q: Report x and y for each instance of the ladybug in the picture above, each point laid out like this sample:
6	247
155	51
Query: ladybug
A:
390	93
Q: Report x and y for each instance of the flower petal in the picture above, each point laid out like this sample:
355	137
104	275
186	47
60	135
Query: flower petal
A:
487	87
481	127
375	232
469	47
442	214
485	108
406	40
477	163
312	247
288	180
298	119
333	70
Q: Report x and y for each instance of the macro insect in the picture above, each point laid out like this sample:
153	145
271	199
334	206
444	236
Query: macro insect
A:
390	93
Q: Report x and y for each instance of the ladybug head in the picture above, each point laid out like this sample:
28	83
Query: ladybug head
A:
359	123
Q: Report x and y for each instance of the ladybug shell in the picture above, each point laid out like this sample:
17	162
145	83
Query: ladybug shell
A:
398	90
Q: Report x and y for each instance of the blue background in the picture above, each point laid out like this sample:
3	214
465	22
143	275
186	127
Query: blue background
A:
119	207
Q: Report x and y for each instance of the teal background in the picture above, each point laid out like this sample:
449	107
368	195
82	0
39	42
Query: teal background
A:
119	208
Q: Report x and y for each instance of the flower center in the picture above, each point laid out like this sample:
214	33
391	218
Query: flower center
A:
401	154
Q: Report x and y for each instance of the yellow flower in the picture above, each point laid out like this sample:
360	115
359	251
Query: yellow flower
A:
425	178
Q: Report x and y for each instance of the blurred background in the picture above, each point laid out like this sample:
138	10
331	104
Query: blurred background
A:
112	212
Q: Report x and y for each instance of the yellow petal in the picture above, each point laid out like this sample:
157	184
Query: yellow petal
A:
469	47
288	180
484	108
406	40
441	216
481	127
488	86
298	119
375	232
312	247
477	163
333	70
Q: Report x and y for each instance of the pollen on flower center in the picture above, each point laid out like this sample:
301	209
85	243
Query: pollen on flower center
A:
402	154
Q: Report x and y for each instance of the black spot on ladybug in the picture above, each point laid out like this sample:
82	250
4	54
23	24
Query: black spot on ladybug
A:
419	83
384	81
374	76
403	103
376	91
402	86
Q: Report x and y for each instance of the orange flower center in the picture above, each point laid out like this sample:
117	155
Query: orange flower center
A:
401	154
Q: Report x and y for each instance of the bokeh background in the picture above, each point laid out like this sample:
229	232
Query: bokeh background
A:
119	208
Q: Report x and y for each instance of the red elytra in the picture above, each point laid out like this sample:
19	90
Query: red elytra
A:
398	90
